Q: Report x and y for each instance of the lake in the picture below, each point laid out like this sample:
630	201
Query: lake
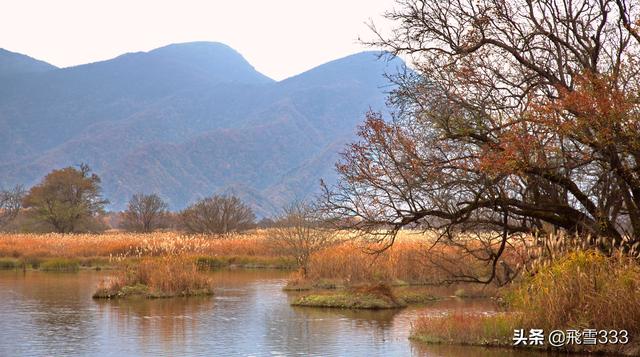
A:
53	314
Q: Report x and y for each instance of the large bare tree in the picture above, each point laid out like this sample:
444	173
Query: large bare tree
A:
521	116
145	213
300	231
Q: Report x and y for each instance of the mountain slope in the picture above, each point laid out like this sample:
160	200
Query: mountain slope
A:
13	64
186	121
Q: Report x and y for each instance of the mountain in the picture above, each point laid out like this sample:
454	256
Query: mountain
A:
186	121
12	64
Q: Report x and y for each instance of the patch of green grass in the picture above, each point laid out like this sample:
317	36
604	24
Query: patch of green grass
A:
367	297
297	285
60	265
211	262
9	263
258	262
32	262
346	300
97	263
143	291
414	295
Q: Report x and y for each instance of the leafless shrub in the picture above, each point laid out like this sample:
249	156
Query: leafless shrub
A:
145	213
217	215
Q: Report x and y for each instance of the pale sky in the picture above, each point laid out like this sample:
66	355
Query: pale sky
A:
280	38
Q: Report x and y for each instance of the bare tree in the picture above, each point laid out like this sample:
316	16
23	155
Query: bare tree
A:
10	204
145	213
217	215
300	231
521	117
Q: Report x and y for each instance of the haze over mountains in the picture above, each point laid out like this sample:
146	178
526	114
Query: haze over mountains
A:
185	121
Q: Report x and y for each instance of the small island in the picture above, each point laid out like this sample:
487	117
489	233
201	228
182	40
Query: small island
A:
156	278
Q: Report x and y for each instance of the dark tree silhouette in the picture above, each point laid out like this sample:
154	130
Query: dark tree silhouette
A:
145	213
217	215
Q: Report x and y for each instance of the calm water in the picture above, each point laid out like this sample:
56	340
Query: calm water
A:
49	314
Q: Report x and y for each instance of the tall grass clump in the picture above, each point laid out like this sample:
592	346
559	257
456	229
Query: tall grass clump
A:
352	263
467	328
583	289
157	277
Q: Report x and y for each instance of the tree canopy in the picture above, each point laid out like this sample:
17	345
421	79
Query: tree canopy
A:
66	197
520	117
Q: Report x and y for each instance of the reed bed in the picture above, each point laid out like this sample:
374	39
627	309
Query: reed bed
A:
494	329
582	289
411	260
348	262
167	276
119	246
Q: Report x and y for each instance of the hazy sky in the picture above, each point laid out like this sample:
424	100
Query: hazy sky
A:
280	38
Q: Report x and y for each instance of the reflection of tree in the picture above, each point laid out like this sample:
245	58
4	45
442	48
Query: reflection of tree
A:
319	322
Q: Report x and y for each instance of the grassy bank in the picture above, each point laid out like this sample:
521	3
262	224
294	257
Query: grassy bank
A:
10	263
60	264
582	290
467	329
157	278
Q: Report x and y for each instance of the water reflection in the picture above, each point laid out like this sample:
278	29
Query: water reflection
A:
46	309
54	314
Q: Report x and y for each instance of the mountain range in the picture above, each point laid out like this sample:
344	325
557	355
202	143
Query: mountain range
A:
186	121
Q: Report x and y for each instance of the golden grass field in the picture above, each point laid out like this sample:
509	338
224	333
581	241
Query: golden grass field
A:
349	261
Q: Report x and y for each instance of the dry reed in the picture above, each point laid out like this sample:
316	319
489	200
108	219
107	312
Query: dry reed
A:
157	277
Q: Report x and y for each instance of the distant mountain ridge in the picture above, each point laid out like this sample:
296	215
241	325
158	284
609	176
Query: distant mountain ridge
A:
12	64
188	120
